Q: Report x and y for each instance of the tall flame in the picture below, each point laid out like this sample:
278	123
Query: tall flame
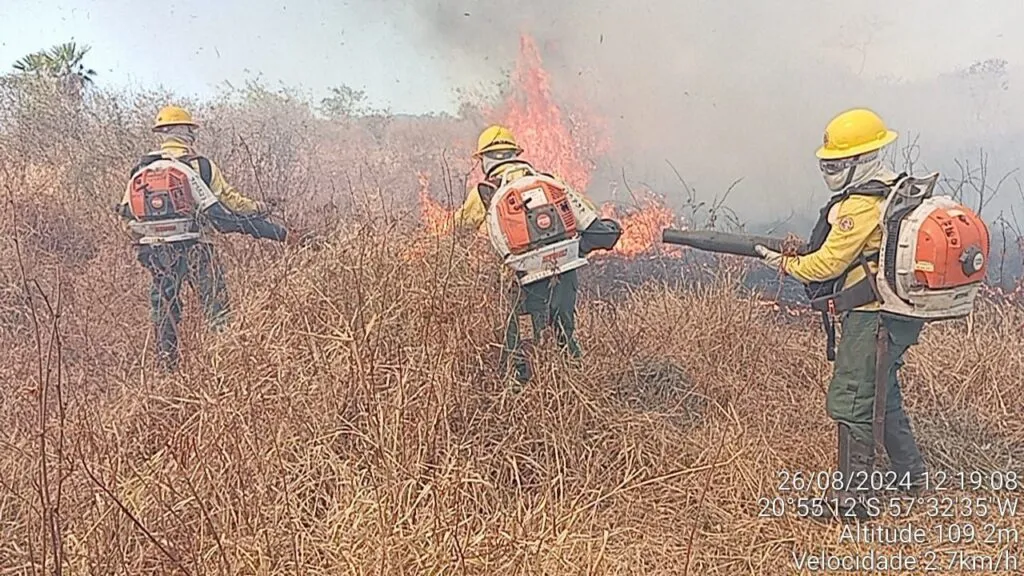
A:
538	123
566	145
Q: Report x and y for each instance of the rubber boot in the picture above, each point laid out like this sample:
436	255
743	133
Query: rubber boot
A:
167	355
856	465
904	454
524	366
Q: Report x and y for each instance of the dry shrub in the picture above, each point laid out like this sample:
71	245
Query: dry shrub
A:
353	419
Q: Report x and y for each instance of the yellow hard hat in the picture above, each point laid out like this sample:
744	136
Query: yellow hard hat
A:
173	116
496	138
854	132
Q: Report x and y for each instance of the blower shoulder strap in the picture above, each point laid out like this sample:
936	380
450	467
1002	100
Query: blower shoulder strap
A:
205	167
838	299
486	192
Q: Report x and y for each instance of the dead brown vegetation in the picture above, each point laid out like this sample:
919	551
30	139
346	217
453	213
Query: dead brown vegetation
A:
351	421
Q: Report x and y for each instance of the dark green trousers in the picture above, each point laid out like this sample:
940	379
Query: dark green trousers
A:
852	389
549	302
170	267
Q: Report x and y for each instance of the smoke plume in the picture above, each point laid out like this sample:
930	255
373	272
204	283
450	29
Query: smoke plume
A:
729	90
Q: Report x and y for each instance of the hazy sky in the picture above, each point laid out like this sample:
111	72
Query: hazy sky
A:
378	45
315	43
722	88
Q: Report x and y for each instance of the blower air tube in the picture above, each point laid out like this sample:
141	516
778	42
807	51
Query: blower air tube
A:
725	242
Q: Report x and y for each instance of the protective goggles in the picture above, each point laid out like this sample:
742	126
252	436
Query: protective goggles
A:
831	167
500	154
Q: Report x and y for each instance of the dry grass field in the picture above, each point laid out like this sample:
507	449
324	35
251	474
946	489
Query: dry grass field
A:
352	421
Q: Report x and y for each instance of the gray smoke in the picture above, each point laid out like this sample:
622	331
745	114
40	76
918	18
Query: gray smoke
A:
735	89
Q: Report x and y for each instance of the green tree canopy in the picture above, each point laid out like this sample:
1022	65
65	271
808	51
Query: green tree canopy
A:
63	62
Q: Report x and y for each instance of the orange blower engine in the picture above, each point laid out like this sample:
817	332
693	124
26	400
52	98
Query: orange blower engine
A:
164	197
533	223
934	253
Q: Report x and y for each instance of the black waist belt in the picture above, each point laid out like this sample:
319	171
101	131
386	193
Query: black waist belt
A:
861	293
855	296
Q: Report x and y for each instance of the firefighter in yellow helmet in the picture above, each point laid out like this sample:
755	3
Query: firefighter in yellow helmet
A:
845	245
550	301
497	151
494	145
174	246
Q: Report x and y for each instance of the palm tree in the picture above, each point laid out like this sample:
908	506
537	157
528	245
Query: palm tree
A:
62	62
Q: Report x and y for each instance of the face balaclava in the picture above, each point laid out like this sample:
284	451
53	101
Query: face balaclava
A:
181	134
489	161
843	173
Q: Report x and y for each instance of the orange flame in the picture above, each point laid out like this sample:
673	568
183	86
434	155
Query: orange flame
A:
435	216
538	123
565	145
641	229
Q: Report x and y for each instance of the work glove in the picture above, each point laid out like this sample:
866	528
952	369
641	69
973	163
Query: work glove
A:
771	258
302	238
294	237
262	208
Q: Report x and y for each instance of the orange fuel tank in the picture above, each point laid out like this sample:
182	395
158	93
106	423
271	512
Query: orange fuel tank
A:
534	212
952	249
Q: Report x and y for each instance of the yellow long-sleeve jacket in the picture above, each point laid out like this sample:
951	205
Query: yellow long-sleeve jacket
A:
221	188
473	212
856	230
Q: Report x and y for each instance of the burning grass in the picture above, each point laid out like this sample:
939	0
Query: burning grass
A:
352	419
